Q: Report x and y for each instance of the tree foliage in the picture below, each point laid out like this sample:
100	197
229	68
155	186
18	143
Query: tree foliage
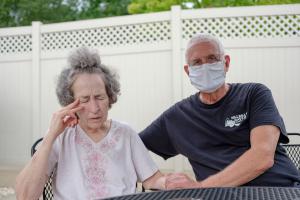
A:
103	8
145	6
23	12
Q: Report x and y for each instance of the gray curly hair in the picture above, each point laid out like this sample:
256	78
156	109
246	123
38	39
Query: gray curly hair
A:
203	37
84	60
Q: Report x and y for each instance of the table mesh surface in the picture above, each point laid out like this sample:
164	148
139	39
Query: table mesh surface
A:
239	193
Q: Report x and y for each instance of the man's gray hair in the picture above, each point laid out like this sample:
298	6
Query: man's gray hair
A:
84	60
202	37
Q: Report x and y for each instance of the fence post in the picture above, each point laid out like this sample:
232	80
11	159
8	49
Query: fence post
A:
176	38
177	69
36	80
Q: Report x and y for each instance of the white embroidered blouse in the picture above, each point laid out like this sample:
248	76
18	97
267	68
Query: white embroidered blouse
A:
89	170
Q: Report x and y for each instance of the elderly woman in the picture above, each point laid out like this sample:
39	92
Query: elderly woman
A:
94	157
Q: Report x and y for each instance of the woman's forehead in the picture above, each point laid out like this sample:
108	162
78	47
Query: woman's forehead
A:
87	83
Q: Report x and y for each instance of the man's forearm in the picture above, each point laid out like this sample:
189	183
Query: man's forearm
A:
246	168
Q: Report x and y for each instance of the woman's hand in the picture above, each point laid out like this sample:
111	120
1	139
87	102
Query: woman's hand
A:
65	117
155	182
180	180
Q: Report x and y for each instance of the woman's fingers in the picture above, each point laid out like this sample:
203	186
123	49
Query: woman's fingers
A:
70	112
69	116
65	117
74	110
71	122
72	105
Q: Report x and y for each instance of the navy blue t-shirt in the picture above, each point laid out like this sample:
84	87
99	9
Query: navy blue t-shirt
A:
213	136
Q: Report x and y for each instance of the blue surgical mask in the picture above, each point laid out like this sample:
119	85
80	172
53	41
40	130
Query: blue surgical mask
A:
207	77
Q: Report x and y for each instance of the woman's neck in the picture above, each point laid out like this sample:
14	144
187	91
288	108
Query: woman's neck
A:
98	134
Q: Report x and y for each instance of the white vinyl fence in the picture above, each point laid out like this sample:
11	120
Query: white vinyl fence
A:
148	53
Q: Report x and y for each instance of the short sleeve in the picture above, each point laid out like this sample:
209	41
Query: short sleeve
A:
263	111
156	137
143	163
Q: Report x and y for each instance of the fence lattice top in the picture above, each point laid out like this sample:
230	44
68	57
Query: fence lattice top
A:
247	27
108	36
244	27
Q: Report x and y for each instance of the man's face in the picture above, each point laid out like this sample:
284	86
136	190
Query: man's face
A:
205	52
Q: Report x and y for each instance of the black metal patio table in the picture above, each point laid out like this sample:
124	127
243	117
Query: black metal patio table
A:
229	193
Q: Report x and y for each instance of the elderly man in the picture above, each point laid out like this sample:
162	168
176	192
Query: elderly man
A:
230	132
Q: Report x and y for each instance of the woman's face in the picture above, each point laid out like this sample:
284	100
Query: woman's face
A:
91	92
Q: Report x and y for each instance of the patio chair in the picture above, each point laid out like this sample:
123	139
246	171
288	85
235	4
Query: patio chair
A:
293	150
47	192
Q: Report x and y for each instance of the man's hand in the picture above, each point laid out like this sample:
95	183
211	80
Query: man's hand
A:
180	180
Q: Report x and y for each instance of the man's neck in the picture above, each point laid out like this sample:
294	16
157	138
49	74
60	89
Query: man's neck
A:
211	98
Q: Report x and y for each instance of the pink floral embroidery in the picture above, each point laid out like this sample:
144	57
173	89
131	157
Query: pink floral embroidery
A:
109	145
94	159
83	142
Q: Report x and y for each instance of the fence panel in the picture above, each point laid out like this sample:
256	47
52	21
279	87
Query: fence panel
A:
148	52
